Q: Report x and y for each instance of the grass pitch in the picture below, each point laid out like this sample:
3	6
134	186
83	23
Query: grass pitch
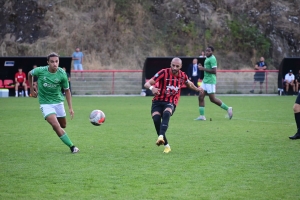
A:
248	157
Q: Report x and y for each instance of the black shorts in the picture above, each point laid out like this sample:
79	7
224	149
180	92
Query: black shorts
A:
259	76
160	106
21	83
298	99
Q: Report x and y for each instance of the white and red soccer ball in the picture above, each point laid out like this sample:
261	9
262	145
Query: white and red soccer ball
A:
97	117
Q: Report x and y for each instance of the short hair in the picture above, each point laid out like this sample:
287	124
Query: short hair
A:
52	54
211	47
176	58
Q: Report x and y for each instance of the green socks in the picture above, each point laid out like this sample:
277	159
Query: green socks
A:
224	106
201	110
65	138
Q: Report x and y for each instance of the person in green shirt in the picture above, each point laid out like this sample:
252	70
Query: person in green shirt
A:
209	84
51	79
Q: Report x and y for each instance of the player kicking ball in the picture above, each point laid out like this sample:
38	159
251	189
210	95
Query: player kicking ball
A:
166	97
51	79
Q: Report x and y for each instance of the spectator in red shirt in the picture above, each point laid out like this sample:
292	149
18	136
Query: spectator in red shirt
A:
166	97
20	79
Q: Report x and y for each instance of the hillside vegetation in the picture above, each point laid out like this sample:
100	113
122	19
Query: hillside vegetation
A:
120	34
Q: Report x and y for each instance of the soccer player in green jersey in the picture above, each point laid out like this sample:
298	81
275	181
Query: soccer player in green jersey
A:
209	84
51	79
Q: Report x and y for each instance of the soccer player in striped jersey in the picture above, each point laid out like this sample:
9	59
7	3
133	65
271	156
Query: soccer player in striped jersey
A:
209	84
51	79
166	97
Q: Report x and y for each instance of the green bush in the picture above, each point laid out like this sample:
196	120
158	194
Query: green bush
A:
244	35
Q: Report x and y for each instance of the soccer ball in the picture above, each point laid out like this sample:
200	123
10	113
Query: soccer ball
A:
97	117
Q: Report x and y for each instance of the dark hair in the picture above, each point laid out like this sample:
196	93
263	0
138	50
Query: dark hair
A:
52	54
211	47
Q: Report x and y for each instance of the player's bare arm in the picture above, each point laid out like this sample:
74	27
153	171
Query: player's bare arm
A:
30	80
149	85
191	85
212	71
69	101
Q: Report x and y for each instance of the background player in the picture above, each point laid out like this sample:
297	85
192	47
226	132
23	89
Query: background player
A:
209	84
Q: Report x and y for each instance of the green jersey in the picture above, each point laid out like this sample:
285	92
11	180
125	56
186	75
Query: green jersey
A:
50	84
210	63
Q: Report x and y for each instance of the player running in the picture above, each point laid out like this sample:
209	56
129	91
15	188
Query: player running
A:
51	79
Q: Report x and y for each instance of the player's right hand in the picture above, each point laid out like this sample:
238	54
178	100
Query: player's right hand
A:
71	111
200	90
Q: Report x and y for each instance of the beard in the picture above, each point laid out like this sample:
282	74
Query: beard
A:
174	71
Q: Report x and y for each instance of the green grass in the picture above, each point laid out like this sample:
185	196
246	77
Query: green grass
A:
248	157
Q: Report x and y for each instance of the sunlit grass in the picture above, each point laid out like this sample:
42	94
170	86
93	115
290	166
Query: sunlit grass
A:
248	157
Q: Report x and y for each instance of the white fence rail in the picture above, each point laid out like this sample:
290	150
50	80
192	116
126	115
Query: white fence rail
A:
106	82
129	82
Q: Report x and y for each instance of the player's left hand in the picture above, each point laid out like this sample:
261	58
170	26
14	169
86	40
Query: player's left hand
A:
71	113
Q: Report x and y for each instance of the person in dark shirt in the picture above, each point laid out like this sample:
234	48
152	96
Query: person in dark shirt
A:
296	109
35	79
259	75
297	82
193	74
69	79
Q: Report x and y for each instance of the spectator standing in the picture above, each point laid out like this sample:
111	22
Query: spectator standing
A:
289	80
209	85
77	58
166	97
194	74
259	76
297	81
20	80
202	55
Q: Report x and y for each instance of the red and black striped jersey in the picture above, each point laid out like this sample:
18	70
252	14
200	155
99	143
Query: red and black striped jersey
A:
169	85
